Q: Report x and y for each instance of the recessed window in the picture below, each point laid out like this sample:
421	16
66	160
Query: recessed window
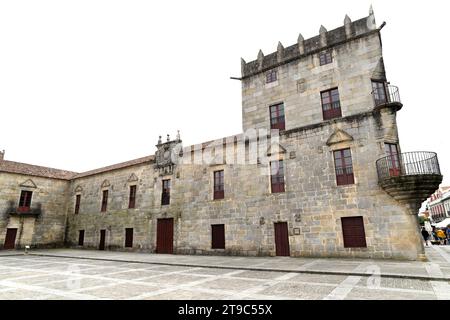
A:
393	160
344	167
218	236
331	105
25	201
277	121
353	232
104	200
132	198
277	176
219	188
165	197
271	76
129	238
77	203
325	58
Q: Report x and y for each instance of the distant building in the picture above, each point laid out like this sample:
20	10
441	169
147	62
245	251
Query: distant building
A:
439	204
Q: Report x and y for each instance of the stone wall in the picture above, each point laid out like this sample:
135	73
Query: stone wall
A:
313	203
300	83
45	230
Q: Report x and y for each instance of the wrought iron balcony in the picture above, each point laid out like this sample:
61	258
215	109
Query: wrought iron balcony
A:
24	211
386	95
410	177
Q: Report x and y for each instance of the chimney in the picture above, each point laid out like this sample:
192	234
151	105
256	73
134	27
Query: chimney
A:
2	155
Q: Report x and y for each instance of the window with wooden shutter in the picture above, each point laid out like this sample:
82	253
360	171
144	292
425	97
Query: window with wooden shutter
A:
379	92
353	232
218	236
325	57
165	197
393	159
129	238
219	188
77	203
104	200
132	198
81	237
277	121
277	176
271	76
25	201
344	167
331	104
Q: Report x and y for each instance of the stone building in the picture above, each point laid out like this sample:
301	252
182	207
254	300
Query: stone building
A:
316	172
439	204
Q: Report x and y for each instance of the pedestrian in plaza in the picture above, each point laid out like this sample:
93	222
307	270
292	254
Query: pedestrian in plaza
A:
441	236
425	236
448	234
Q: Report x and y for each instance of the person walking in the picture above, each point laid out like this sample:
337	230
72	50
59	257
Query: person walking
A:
425	236
441	236
448	234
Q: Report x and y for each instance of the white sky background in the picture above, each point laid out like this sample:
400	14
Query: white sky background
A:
84	84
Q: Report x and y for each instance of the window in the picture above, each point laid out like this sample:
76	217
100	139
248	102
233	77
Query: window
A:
277	176
77	203
393	159
353	232
219	192
132	199
218	236
277	117
344	167
325	58
331	105
104	200
81	237
271	76
129	238
25	201
165	198
379	92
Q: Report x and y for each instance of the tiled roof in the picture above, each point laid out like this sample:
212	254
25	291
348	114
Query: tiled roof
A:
38	171
32	170
146	159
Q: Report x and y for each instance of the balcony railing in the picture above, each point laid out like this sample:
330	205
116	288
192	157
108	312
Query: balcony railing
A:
408	164
386	94
24	211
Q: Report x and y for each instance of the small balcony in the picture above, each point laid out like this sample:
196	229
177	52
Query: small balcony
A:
24	211
410	177
386	95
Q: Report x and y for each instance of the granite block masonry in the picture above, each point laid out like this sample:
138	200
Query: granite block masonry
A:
321	112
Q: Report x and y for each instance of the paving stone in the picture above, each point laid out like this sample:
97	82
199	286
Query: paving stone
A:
375	294
187	295
121	291
298	290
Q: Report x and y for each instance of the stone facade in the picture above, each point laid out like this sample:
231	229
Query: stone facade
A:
312	204
50	196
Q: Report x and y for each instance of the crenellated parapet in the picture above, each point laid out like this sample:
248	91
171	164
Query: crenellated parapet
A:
326	39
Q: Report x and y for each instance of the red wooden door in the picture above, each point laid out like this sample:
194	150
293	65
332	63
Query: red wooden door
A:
218	236
129	238
10	240
164	236
353	232
282	239
102	240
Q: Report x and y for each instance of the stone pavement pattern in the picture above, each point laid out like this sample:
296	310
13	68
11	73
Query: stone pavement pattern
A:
96	275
